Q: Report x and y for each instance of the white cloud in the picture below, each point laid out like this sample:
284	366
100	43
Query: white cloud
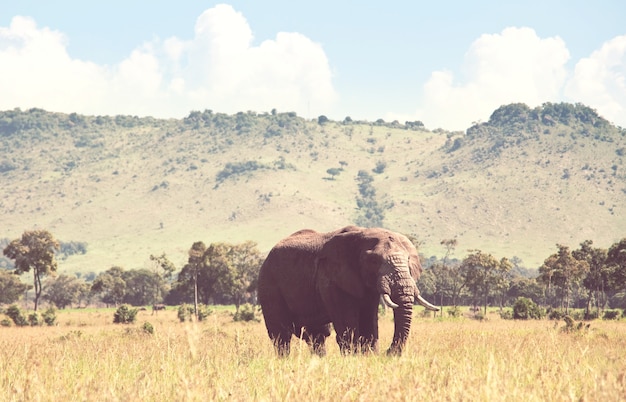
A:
217	69
512	66
600	81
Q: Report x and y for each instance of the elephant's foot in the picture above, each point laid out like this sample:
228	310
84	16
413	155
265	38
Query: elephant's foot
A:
395	349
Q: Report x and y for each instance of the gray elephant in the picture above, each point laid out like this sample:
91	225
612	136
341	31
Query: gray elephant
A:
312	279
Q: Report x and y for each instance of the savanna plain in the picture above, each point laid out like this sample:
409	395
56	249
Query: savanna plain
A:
88	358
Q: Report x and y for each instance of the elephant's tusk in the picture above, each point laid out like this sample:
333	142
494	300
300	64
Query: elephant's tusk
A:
426	304
388	301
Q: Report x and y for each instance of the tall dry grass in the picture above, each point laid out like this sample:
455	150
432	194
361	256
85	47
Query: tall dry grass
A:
87	358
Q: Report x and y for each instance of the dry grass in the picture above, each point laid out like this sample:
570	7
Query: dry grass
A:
87	358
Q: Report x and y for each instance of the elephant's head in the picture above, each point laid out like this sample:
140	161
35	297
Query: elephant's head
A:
361	261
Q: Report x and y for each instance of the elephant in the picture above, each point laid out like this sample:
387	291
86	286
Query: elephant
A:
310	280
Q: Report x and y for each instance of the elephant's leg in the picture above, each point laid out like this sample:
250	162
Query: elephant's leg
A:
346	323
368	323
315	337
279	325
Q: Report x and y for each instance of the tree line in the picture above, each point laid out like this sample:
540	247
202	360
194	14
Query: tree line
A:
221	273
588	277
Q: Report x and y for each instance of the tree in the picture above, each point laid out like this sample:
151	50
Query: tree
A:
564	271
616	261
65	290
163	269
332	172
483	273
196	256
246	262
597	279
221	272
11	288
111	286
447	278
525	287
141	287
34	250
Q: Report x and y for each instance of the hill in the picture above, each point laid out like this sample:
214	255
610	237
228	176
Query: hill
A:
130	187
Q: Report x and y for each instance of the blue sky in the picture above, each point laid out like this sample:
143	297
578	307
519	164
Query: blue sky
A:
446	63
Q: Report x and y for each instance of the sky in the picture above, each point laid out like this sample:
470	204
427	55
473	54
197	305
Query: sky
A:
447	63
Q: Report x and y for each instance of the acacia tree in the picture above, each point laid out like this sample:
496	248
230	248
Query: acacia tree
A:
34	250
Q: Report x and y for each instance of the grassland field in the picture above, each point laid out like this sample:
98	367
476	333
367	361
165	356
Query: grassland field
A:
88	358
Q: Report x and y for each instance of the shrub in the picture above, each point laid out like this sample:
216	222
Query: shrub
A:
5	322
525	309
186	313
611	315
16	315
34	319
50	316
125	315
479	316
147	328
591	315
454	311
246	312
571	326
203	312
506	314
556	315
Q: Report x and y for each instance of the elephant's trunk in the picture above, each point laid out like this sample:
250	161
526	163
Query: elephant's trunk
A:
402	325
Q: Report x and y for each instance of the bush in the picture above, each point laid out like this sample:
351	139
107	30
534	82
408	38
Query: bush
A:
611	315
125	315
506	314
454	311
556	315
591	315
5	322
203	312
50	316
34	319
525	309
186	313
246	312
147	328
16	315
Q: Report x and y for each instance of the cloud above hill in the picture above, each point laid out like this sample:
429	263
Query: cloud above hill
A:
218	69
221	67
517	65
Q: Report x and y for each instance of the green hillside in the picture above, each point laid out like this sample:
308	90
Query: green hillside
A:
130	187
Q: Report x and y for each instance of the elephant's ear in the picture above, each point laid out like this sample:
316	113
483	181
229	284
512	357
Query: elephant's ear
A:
339	262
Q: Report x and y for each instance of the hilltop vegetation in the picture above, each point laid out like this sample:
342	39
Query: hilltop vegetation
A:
126	187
